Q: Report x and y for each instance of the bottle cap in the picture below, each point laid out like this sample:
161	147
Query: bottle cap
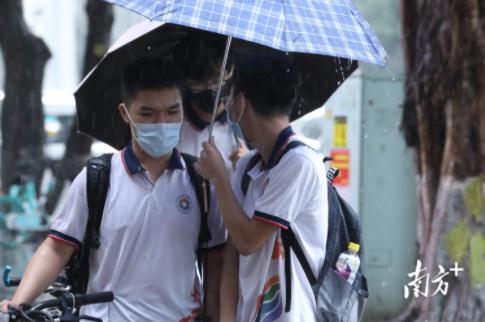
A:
354	247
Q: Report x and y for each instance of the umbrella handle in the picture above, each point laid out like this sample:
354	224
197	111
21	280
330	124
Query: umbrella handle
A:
221	79
206	197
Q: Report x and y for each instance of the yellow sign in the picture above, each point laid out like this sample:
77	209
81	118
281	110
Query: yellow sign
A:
340	132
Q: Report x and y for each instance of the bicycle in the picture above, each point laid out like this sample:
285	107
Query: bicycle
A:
63	308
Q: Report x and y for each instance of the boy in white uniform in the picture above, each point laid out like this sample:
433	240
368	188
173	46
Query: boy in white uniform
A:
286	189
151	219
200	59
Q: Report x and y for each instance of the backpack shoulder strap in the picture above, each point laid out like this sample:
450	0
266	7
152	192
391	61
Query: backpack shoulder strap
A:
97	185
290	242
202	193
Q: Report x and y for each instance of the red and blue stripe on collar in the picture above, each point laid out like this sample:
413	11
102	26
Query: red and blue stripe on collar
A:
133	166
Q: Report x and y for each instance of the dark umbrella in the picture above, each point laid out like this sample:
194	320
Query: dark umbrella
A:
99	94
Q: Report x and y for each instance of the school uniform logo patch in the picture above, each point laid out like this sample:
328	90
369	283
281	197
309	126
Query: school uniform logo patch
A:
184	204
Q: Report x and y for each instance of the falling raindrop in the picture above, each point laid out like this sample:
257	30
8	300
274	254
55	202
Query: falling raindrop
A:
390	72
349	64
342	74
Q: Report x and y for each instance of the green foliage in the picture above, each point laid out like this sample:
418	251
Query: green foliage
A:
473	197
456	241
477	260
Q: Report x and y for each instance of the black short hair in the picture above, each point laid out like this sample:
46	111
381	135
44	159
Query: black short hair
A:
270	81
200	55
149	73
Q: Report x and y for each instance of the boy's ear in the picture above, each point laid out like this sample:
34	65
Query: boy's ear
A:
229	72
123	111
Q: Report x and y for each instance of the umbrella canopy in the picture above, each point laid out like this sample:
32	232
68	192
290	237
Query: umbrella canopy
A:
324	27
325	39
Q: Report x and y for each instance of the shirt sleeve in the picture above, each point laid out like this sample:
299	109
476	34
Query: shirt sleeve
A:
69	225
287	190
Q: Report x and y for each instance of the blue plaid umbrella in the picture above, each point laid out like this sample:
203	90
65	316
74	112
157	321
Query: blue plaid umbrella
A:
324	27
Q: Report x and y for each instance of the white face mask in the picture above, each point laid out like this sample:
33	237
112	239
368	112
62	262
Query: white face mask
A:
157	139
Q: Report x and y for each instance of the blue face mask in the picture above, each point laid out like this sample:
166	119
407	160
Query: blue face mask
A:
157	139
229	107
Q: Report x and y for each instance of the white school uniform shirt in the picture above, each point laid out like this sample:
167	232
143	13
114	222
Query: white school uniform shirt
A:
149	237
291	190
195	131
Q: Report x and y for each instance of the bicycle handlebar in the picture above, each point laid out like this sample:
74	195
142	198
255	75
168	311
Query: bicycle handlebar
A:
9	281
77	300
65	301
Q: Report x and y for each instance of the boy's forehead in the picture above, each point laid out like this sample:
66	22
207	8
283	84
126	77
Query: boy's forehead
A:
156	92
157	98
213	81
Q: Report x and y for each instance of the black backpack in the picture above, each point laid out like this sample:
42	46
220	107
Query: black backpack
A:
97	185
336	299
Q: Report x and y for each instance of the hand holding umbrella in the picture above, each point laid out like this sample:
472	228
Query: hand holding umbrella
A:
211	164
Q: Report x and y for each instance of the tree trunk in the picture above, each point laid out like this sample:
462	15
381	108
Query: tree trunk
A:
444	122
78	146
100	16
25	56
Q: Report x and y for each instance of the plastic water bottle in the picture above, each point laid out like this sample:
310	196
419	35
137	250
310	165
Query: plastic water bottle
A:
348	263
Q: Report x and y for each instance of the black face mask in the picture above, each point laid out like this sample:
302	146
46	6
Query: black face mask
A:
205	100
